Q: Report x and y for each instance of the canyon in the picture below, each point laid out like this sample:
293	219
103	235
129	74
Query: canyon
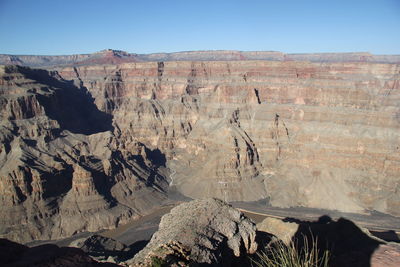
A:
91	141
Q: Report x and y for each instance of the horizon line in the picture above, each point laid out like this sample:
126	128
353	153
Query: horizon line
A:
205	50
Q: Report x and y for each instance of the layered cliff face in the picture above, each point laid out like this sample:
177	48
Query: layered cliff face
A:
62	169
88	147
321	135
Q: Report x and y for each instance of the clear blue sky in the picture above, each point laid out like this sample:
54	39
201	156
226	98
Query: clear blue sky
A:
51	27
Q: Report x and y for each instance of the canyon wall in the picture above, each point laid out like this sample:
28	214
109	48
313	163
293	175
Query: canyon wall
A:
62	170
321	135
90	146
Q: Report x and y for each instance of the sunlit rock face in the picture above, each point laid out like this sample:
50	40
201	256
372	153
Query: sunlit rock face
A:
92	145
62	169
321	135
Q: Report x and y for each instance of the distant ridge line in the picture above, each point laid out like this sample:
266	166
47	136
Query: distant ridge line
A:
110	56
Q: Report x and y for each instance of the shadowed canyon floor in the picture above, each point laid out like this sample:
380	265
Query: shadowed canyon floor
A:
90	146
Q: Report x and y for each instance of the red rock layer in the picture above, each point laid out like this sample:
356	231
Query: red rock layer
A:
322	135
62	171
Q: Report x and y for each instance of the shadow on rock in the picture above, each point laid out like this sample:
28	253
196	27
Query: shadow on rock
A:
347	243
157	157
263	239
137	246
71	106
14	254
389	236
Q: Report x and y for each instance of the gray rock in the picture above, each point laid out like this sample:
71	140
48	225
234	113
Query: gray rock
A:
107	250
102	248
284	231
206	231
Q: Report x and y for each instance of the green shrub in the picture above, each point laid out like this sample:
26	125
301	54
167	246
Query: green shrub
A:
280	255
157	262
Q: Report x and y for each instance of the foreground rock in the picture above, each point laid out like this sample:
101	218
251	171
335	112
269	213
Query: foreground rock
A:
104	249
207	231
16	255
349	245
386	255
284	231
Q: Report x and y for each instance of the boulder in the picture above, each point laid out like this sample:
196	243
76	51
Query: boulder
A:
280	229
386	255
205	231
105	249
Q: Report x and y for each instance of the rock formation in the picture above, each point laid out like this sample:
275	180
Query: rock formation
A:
210	232
321	135
206	231
104	249
62	169
98	141
283	231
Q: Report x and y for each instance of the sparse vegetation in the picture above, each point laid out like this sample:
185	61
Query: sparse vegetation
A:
280	255
157	262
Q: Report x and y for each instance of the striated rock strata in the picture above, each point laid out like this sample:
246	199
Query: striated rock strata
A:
62	168
91	145
321	135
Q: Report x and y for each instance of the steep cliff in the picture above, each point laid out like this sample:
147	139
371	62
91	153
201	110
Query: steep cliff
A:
90	146
62	169
322	135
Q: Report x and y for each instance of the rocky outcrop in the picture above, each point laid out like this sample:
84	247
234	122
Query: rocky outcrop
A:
206	231
206	244
104	249
62	168
283	231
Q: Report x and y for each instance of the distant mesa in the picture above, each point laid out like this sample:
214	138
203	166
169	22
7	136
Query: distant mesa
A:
110	56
